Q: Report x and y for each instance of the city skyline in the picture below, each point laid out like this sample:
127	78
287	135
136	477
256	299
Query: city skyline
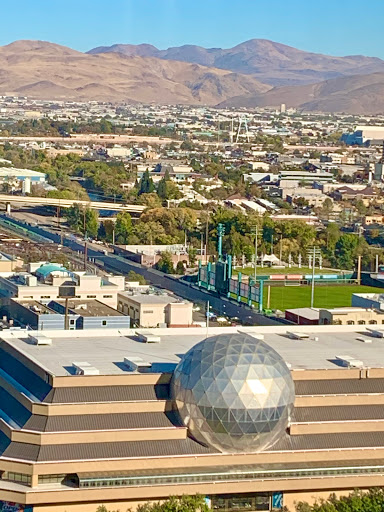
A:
167	23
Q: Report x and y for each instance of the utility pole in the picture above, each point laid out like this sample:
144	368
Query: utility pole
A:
85	254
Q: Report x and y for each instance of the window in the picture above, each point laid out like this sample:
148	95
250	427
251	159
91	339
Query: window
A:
104	322
91	296
350	322
72	321
16	477
107	296
373	322
361	322
45	297
147	312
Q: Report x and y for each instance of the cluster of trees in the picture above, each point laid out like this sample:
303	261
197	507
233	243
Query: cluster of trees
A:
358	501
176	225
165	264
51	127
195	503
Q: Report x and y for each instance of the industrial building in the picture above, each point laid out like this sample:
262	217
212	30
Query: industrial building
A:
49	281
364	135
71	314
151	310
253	420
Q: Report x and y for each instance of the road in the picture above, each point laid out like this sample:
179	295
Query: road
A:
117	264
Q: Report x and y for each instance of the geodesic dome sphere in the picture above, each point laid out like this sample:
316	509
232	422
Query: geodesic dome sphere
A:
234	393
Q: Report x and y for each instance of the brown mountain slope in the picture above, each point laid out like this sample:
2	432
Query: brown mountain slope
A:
268	61
49	71
354	95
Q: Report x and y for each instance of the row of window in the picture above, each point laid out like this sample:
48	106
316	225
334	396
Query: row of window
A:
209	477
51	479
20	478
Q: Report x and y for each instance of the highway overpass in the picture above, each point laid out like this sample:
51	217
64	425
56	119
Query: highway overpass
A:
67	203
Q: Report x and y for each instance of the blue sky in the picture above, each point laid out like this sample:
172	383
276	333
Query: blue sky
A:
338	27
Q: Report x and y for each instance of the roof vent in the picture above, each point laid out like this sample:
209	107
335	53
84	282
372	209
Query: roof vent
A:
84	368
349	362
134	364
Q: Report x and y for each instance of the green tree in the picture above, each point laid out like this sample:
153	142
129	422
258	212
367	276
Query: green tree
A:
357	501
180	269
327	207
91	223
146	185
346	250
333	234
123	227
165	263
83	220
134	276
184	503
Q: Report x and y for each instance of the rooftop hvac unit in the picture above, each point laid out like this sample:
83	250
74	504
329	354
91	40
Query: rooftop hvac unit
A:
84	368
148	337
349	362
39	339
136	363
297	335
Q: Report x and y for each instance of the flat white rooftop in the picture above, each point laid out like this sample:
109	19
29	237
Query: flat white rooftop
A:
106	351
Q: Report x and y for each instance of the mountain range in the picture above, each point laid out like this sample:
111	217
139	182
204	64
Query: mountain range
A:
254	73
270	62
49	71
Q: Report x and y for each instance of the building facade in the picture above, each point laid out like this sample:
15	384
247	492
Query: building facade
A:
72	439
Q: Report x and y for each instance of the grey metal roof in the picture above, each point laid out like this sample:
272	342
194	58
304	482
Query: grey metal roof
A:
170	448
337	413
132	449
102	422
339	386
330	441
107	394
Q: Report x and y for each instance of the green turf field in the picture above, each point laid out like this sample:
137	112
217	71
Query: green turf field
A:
288	297
266	271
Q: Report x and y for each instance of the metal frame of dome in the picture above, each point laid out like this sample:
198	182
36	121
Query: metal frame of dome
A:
234	393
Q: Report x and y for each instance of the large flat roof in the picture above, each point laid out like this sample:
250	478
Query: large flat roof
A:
106	350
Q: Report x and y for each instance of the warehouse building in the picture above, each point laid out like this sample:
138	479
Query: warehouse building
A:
253	421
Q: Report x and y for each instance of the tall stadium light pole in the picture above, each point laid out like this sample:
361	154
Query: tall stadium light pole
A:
313	277
255	266
315	254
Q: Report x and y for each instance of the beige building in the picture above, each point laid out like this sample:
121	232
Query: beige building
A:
155	310
78	429
9	263
50	281
351	316
373	219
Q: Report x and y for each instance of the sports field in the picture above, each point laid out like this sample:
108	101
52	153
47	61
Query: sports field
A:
288	297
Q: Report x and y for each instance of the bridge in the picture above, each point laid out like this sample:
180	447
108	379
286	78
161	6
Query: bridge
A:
67	203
